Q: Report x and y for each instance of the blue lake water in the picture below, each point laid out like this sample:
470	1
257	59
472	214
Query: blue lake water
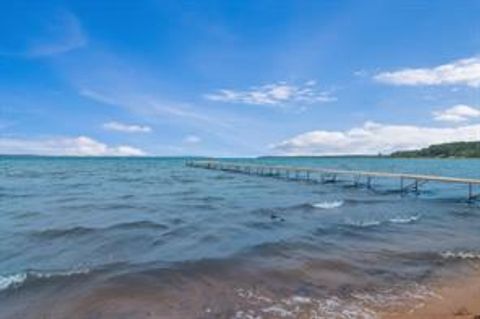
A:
152	238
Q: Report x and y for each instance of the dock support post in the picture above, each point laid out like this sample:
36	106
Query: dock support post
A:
470	191
401	186
369	182
357	180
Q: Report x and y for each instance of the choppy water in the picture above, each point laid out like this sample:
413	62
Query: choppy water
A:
151	238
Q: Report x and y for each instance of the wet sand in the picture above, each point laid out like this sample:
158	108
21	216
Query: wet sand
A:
456	299
240	293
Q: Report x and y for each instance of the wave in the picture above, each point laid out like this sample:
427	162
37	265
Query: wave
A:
460	255
394	220
404	220
17	280
367	223
12	280
79	230
328	204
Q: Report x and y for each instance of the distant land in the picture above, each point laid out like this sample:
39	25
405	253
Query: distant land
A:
445	150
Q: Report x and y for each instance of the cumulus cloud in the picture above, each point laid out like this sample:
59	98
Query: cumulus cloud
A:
65	146
192	139
372	138
457	113
126	128
280	93
460	72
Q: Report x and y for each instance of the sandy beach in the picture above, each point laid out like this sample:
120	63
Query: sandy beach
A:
455	300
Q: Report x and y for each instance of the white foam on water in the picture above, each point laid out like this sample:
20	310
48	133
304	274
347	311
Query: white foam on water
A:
329	204
301	299
299	307
16	280
395	220
278	311
465	255
413	296
335	307
359	305
366	223
248	294
404	220
249	314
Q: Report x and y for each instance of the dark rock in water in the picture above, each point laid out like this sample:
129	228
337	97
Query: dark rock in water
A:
276	217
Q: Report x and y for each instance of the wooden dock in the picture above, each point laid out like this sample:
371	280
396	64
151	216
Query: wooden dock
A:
407	182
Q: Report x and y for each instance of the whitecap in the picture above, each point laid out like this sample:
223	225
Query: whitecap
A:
395	220
66	273
16	280
460	255
328	204
404	220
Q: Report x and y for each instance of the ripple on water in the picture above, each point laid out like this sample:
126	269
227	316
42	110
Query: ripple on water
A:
81	231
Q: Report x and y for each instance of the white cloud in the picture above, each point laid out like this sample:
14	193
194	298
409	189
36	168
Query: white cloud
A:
65	146
372	138
150	105
457	113
48	35
97	96
280	93
64	34
192	139
460	72
108	79
126	128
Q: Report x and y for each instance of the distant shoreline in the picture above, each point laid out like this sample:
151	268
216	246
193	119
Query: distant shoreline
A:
390	157
445	150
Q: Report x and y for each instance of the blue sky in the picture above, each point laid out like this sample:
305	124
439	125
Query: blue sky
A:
237	78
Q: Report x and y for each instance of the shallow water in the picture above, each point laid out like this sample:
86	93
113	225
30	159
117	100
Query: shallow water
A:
149	237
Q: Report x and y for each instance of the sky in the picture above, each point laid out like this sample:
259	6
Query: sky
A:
237	78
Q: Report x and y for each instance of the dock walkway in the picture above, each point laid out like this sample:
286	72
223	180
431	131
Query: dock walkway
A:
407	182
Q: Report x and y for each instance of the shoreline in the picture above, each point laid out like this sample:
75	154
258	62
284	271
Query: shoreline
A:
455	299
